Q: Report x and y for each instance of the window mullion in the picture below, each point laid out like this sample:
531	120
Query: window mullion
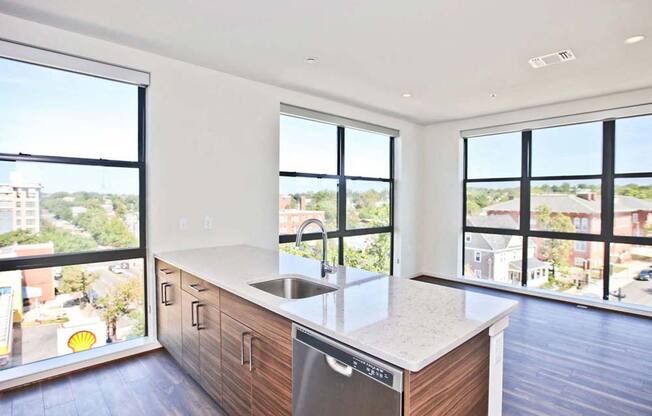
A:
526	170
607	222
341	199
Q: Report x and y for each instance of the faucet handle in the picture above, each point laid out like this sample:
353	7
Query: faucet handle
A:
329	268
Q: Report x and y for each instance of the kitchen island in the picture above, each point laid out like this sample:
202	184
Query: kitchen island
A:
236	339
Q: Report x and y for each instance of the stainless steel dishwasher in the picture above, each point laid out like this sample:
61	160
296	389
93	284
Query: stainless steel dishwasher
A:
329	378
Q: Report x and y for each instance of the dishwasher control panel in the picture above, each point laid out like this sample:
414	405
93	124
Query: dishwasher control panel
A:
372	371
349	357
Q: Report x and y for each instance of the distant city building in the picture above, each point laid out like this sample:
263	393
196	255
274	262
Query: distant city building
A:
132	222
499	257
291	218
20	207
42	280
583	209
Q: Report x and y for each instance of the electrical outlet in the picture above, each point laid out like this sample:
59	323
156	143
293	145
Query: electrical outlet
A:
183	224
208	223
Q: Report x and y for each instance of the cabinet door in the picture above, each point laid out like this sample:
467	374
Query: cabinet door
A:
236	376
168	307
174	320
190	335
272	377
162	289
208	318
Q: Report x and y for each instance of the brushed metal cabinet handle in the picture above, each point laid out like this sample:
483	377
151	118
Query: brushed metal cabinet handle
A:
163	300
242	337
197	306
251	360
166	271
164	293
192	312
196	287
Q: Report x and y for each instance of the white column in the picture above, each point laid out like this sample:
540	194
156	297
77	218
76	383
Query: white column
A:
496	341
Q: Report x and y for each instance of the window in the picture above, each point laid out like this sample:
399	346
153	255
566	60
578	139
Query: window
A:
581	199
580	245
339	172
72	248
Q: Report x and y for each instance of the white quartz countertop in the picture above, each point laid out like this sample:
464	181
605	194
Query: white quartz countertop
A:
407	323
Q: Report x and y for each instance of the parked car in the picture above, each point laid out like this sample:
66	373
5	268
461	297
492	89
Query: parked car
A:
644	275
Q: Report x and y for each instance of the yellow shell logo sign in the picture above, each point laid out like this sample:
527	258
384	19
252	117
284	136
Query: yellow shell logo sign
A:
81	341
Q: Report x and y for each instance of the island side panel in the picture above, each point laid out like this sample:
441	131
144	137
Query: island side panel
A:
455	384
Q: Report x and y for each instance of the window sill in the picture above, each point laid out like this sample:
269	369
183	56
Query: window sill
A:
577	300
39	370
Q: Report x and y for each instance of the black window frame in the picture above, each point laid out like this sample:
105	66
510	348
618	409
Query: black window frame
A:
85	257
607	178
341	232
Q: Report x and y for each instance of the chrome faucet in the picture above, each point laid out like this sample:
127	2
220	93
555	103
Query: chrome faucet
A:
325	266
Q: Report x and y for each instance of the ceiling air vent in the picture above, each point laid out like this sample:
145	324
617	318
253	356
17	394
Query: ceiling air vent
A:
552	58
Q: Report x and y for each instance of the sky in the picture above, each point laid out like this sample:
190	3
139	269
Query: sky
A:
311	147
566	150
55	177
51	112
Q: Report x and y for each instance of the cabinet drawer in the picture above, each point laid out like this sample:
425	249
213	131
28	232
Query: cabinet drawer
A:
167	273
201	289
262	321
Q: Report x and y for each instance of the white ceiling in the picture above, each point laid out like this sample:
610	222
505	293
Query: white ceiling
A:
450	54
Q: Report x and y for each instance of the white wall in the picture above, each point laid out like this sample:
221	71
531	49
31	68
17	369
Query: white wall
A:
213	147
441	244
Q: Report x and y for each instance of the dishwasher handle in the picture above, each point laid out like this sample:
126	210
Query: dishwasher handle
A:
338	367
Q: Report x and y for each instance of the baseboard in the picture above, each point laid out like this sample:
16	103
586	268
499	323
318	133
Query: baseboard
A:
577	300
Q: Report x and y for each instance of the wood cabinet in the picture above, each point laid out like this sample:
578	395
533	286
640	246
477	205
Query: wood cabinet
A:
201	333
256	359
190	334
168	307
240	353
272	377
236	375
210	350
456	384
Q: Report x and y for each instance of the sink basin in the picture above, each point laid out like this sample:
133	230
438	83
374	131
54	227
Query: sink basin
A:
292	287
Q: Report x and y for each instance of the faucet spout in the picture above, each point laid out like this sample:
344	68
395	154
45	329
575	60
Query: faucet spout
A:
325	266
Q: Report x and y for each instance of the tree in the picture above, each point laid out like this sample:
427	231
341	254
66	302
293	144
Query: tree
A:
18	237
65	241
74	279
374	256
555	250
123	299
138	317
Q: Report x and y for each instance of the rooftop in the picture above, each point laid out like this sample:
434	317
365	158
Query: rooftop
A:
573	204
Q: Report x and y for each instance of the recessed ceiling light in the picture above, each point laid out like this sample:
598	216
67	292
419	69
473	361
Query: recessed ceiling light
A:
492	95
312	59
634	39
406	95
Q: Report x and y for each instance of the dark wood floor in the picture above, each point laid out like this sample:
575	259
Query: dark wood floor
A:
559	360
148	384
564	360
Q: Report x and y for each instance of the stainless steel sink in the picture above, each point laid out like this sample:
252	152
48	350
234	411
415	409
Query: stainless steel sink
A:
292	287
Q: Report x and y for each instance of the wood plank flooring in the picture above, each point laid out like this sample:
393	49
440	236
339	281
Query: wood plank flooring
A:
148	384
564	360
559	360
